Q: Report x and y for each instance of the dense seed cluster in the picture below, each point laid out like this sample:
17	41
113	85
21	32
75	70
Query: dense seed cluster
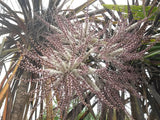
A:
80	59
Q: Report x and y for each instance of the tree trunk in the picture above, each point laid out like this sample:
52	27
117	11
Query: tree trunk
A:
20	99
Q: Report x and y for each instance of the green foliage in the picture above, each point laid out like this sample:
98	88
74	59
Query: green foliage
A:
44	117
153	55
89	117
81	113
137	11
155	47
55	118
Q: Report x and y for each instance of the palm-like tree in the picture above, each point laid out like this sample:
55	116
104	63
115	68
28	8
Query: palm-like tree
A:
24	29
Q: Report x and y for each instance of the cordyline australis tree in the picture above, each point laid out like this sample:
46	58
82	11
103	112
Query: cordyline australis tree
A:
65	60
79	59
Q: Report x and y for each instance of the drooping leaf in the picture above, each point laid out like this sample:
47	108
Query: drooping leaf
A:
5	108
4	90
80	8
155	47
153	53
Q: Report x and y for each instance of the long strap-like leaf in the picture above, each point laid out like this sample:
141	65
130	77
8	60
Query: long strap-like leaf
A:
4	90
80	8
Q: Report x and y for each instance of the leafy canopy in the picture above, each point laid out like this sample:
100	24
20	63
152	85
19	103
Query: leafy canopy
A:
137	11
